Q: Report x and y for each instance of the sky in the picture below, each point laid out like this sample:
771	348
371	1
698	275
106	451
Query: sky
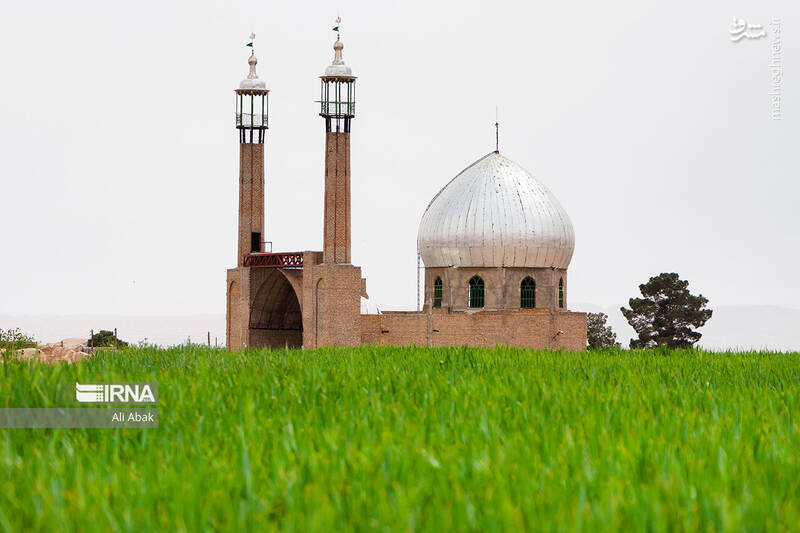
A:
118	151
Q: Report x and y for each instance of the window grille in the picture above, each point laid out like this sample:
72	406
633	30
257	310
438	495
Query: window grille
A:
561	293
527	293
437	292
476	292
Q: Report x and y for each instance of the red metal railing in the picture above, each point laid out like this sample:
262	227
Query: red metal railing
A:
285	259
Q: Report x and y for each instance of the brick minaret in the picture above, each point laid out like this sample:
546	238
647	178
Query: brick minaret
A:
333	289
337	94
337	196
251	123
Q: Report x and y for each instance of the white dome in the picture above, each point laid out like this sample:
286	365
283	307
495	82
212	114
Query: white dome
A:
253	84
338	70
495	213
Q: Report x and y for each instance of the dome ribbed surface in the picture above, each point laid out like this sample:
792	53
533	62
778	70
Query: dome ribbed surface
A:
495	213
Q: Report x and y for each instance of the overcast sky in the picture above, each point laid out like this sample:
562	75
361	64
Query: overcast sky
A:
118	153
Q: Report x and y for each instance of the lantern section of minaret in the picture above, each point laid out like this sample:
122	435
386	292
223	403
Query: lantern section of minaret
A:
338	92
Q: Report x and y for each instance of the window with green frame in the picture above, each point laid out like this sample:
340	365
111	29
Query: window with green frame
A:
437	292
476	291
561	293
527	293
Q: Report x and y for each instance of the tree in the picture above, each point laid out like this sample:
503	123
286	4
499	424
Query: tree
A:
11	341
105	338
667	313
15	339
598	334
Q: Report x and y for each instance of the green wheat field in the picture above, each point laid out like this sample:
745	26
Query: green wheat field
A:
414	439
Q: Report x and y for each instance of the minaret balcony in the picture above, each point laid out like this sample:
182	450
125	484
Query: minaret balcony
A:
252	120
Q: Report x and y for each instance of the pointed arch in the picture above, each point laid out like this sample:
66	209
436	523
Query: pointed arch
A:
437	292
476	292
275	318
234	326
527	293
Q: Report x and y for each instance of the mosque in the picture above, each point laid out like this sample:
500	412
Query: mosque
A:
495	243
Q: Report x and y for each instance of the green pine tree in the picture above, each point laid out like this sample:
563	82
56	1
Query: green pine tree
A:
668	315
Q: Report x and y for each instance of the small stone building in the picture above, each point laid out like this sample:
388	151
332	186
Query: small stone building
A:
495	243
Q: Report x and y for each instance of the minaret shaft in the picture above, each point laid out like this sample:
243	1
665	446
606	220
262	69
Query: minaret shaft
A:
251	199
337	198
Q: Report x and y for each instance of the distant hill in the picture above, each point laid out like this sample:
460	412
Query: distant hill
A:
754	327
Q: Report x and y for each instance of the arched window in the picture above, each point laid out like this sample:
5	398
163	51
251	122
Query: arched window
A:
561	292
527	293
437	292
476	292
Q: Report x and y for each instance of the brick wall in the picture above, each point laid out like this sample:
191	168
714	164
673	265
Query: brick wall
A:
398	328
237	315
275	338
331	305
535	328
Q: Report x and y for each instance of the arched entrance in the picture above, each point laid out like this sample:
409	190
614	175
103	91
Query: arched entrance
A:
234	317
275	318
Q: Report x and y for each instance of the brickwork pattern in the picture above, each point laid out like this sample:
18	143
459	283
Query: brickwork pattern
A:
276	338
535	328
237	314
332	305
233	318
336	239
251	196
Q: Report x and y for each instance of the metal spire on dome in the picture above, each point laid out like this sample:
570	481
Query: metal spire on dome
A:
496	131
